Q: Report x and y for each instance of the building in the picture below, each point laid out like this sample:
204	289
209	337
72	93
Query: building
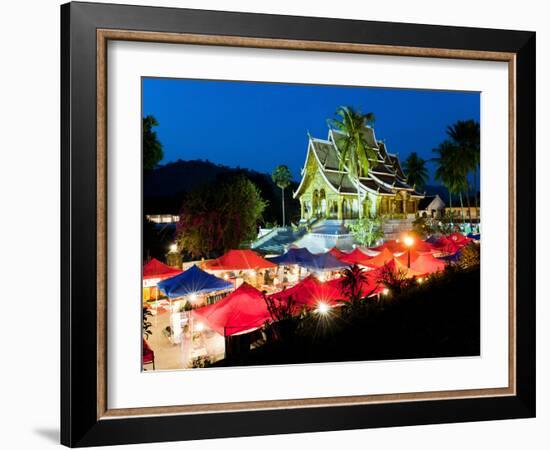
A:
162	218
431	206
327	191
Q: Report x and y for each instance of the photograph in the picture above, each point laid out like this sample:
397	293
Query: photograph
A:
301	224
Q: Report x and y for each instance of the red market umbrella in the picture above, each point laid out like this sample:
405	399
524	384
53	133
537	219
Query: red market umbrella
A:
356	257
445	245
424	263
309	292
157	269
239	260
424	247
379	260
243	310
337	253
458	238
392	245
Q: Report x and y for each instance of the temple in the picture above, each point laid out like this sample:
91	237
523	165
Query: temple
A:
327	191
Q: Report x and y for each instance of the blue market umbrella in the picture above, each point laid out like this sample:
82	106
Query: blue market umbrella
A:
298	256
192	281
324	261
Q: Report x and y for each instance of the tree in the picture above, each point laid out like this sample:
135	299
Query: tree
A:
152	148
395	279
417	173
355	153
352	279
466	136
367	230
282	177
445	171
219	216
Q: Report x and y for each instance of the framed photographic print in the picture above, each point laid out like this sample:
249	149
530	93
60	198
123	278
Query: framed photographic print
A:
276	224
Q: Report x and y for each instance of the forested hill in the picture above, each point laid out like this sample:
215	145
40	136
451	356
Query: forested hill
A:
165	187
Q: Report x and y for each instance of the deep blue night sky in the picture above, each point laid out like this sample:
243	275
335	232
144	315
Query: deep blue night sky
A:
262	125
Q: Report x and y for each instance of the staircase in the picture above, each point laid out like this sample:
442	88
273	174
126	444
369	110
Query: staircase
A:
394	228
277	240
325	234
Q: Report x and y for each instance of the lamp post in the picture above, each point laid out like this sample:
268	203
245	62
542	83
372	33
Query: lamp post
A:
409	241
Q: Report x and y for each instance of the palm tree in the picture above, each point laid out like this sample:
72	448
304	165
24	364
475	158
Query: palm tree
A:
446	169
282	177
353	279
417	173
466	135
355	153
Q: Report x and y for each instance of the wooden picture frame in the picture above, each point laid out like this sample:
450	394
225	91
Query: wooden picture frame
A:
86	419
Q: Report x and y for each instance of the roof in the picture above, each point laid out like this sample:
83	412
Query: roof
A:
356	257
324	261
239	260
424	263
385	175
157	269
192	281
309	292
243	310
337	253
379	260
293	256
425	203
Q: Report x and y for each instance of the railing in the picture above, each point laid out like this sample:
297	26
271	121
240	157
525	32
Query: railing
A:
331	236
266	237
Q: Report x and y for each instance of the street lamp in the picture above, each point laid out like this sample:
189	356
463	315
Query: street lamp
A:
409	241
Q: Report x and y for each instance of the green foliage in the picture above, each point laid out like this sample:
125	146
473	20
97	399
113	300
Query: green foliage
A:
367	230
457	157
281	176
470	256
146	324
201	362
352	280
417	173
219	216
423	226
355	153
152	148
465	134
395	279
427	226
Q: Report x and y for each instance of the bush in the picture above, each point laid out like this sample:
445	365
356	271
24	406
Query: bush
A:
470	255
367	230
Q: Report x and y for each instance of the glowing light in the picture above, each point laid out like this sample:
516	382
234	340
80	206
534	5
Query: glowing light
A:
386	291
420	280
199	326
226	277
323	308
193	298
173	248
409	241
